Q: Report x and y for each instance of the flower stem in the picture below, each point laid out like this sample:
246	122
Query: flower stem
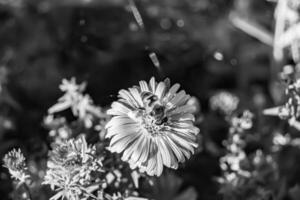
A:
24	191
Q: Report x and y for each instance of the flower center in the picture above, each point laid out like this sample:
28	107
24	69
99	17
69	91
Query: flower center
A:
151	124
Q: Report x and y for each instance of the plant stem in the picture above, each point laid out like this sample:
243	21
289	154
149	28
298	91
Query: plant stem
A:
25	191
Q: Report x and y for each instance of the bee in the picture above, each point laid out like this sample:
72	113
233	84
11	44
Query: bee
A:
154	107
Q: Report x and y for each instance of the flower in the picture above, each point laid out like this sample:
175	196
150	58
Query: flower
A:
81	105
59	129
72	169
242	122
14	161
225	102
152	125
290	109
71	86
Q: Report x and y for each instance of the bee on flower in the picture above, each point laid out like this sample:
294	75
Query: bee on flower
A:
153	126
14	161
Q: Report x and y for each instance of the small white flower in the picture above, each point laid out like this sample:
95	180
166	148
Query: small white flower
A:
14	161
242	122
224	102
81	105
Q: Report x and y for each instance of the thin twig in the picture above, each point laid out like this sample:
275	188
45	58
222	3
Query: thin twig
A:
25	190
138	17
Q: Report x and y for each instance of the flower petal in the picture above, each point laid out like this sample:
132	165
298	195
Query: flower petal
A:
167	84
179	98
175	150
165	154
121	107
128	97
159	165
121	129
182	109
152	84
119	120
145	152
144	86
160	90
182	117
119	142
135	93
127	155
182	142
139	149
170	94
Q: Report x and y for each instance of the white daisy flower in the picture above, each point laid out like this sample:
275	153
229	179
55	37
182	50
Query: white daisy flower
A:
14	161
152	125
